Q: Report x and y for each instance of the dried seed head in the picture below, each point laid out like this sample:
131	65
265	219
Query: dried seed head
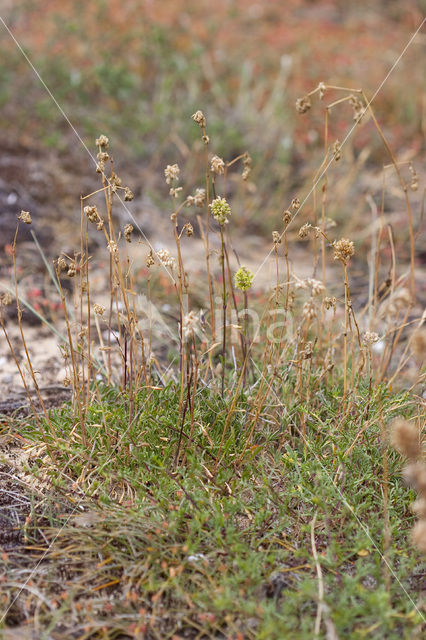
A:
405	438
309	311
244	279
174	191
304	230
115	182
189	229
205	139
287	217
99	309
321	88
337	150
92	213
149	260
66	381
329	303
102	156
303	104
128	230
198	199
102	142
418	535
5	299
295	203
72	270
100	225
220	210
165	257
414	183
316	286
171	172
61	264
189	323
128	194
113	249
247	166
358	108
276	238
25	217
199	118
343	250
369	338
217	165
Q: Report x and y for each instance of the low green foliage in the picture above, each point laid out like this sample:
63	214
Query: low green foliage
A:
151	551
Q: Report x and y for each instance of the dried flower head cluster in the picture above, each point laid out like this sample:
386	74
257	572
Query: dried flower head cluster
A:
287	217
198	199
303	104
321	89
358	108
99	309
25	217
369	338
316	286
304	230
128	230
199	118
276	238
329	303
247	166
414	182
164	256
406	439
102	142
217	165
343	250
309	310
189	323
244	279
337	150
128	194
149	260
171	172
220	210
5	299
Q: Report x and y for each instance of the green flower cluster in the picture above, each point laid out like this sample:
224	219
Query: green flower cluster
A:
243	279
220	210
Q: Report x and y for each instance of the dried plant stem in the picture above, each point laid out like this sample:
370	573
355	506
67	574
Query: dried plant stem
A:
224	306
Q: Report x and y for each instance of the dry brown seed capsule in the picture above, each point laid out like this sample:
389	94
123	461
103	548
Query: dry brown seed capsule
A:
5	299
199	118
99	309
61	264
25	217
91	213
287	217
189	229
276	238
102	142
295	203
128	230
217	165
149	260
72	270
303	104
128	194
304	230
343	250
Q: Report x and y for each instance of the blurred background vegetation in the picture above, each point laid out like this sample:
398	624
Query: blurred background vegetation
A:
137	70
